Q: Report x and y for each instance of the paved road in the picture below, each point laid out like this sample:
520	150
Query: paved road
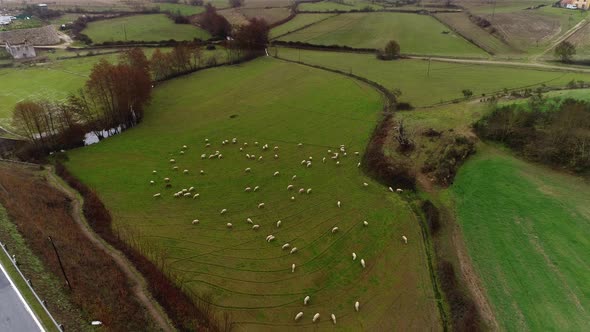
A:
15	314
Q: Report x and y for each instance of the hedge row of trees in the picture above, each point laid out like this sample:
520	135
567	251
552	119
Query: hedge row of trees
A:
556	134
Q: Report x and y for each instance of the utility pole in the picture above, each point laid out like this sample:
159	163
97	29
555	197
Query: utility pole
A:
60	264
125	31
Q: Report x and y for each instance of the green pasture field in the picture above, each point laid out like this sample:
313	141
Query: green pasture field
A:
183	9
526	228
55	80
298	22
155	27
416	34
326	6
280	104
445	81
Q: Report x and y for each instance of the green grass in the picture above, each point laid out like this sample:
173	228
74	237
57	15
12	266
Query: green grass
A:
183	9
325	6
280	104
416	34
526	229
446	80
298	22
154	27
33	22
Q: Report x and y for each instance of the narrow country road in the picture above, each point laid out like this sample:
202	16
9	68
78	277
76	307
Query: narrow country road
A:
15	313
565	36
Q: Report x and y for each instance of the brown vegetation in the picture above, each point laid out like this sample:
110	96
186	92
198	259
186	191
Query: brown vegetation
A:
98	286
444	163
214	23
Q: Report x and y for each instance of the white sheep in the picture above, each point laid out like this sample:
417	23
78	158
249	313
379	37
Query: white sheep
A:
390	189
276	156
285	246
154	172
202	172
248	170
289	187
229	225
363	263
398	190
176	195
276	148
157	195
247	155
300	144
329	151
256	143
365	223
334	230
270	238
172	161
241	149
339	204
356	153
316	317
357	306
279	223
292	198
294	177
249	221
206	140
220	156
324	160
338	163
344	154
298	316
203	156
333	318
181	152
248	189
365	184
255	189
255	227
294	250
276	173
196	221
196	196
354	256
223	211
208	144
260	205
306	300
310	158
245	143
152	182
308	164
405	239
184	147
358	165
185	171
308	190
175	168
259	158
293	268
301	190
303	162
187	194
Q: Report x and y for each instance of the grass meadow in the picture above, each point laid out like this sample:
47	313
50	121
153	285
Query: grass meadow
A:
280	104
300	21
326	6
155	27
416	34
445	81
526	229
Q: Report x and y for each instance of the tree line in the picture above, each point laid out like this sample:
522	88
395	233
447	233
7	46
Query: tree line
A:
556	134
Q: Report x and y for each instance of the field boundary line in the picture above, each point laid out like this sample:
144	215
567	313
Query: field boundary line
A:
304	27
27	281
463	36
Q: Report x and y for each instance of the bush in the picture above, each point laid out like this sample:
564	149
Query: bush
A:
432	216
464	314
444	163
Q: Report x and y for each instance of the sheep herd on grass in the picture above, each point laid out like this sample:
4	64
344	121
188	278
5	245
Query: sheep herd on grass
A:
307	163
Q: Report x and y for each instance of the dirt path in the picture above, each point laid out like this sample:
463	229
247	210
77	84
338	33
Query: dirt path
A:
565	36
139	284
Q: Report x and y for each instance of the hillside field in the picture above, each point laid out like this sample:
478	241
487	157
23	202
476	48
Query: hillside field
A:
300	21
526	230
326	6
416	34
445	82
155	27
280	104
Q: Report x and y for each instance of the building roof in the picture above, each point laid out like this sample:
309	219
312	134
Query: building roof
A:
46	35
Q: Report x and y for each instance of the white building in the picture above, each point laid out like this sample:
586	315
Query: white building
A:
21	51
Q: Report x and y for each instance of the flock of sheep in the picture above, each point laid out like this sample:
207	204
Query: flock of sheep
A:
307	163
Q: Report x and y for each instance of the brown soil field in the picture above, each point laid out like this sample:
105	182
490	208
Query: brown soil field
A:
525	29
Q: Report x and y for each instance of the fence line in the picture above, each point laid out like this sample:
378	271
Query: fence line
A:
28	282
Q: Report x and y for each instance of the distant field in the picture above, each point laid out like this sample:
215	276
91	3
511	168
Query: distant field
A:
463	25
582	41
270	15
526	229
416	34
298	22
280	104
154	27
445	82
325	6
180	8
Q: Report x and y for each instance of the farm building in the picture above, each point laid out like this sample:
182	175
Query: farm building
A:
21	51
575	4
5	20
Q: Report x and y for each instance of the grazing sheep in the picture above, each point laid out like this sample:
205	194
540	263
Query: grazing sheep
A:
344	154
405	239
256	143
157	195
249	221
241	149
259	158
265	146
187	194
333	318
363	263
202	172
298	316
245	143
234	140
152	182
255	227
256	189
206	140
276	173
166	179
358	165
252	156
276	156
276	148
220	156
390	189
172	161
181	152
185	171
310	158
306	300
292	198
248	189
196	221
289	187
338	163
175	168
294	250
248	155
316	317
184	147
329	151
229	225
365	223
338	203
248	170
211	156
334	230
303	162
261	205
356	153
300	144
324	160
286	246
398	190
176	195
191	188
293	268
223	211
196	196
279	223
294	177
154	172
208	144
301	190
270	238
308	164
308	190
365	184
354	256
357	306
